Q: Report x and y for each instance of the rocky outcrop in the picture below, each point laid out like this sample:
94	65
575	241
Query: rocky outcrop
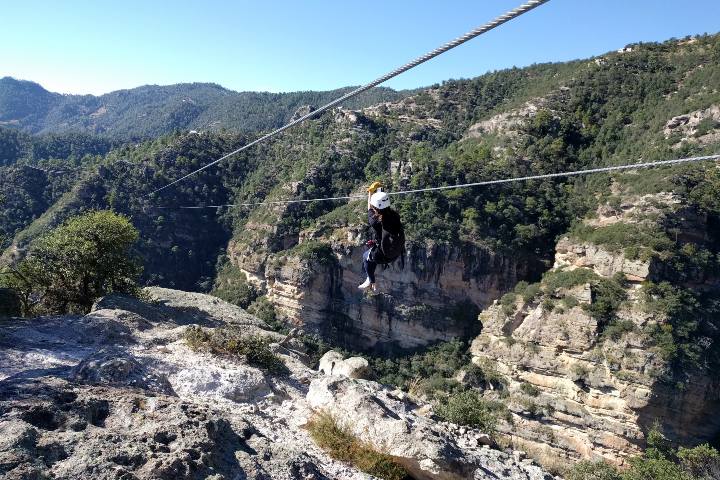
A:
423	447
118	393
570	252
53	427
506	123
436	297
690	127
302	111
333	363
579	387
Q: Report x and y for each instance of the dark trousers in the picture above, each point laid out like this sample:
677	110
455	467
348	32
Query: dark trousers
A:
369	265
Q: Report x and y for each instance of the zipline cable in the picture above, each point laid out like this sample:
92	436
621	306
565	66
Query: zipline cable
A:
527	6
630	166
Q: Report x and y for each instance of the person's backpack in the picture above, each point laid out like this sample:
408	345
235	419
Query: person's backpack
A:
392	245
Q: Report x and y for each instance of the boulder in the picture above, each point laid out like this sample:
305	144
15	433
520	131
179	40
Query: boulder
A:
114	366
353	367
52	429
333	363
329	360
422	446
164	305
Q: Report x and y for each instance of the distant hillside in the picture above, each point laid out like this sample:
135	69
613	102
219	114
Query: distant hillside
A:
151	110
598	296
539	119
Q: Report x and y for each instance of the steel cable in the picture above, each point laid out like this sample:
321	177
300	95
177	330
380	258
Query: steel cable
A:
630	166
442	49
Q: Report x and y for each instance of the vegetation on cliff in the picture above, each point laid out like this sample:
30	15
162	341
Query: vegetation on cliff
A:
517	122
659	462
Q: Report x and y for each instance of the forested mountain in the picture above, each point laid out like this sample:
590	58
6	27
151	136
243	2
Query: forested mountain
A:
596	112
151	110
604	287
16	146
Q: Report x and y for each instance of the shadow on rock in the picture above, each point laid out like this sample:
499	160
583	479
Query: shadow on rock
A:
116	367
157	311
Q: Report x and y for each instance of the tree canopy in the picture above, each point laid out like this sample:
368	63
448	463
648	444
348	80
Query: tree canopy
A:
69	268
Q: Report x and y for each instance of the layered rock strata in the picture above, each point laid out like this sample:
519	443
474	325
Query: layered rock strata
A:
575	388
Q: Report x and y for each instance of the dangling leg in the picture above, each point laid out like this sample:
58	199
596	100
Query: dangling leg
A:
369	268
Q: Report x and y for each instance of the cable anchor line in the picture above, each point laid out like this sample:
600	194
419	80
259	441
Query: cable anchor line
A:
587	171
514	13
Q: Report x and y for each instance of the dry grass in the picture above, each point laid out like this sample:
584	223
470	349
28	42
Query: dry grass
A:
342	445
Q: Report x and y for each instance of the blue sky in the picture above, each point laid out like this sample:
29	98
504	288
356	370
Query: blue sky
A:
100	46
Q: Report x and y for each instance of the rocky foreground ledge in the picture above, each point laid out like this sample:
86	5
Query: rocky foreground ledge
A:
117	394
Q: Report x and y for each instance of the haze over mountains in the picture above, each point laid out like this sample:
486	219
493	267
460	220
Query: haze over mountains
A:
151	110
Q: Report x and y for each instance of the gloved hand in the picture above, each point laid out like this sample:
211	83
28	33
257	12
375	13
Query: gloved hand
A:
373	187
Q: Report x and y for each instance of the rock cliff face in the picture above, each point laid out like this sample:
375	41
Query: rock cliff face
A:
435	297
118	394
578	386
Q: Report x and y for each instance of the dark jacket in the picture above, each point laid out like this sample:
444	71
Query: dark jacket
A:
391	223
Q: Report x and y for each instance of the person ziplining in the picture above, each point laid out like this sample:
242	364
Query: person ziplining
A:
389	242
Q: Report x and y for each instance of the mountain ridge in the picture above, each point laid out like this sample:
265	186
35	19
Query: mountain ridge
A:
149	111
619	309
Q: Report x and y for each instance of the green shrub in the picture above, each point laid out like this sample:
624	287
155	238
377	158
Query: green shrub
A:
197	338
508	303
659	462
316	252
469	408
556	279
529	389
607	296
644	468
579	373
530	292
531	407
265	311
441	361
70	267
232	286
520	287
687	315
570	301
620	236
705	126
702	461
490	372
616	329
483	375
339	442
588	470
316	347
254	348
548	305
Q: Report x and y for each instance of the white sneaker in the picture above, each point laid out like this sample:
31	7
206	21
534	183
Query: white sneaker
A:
366	284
